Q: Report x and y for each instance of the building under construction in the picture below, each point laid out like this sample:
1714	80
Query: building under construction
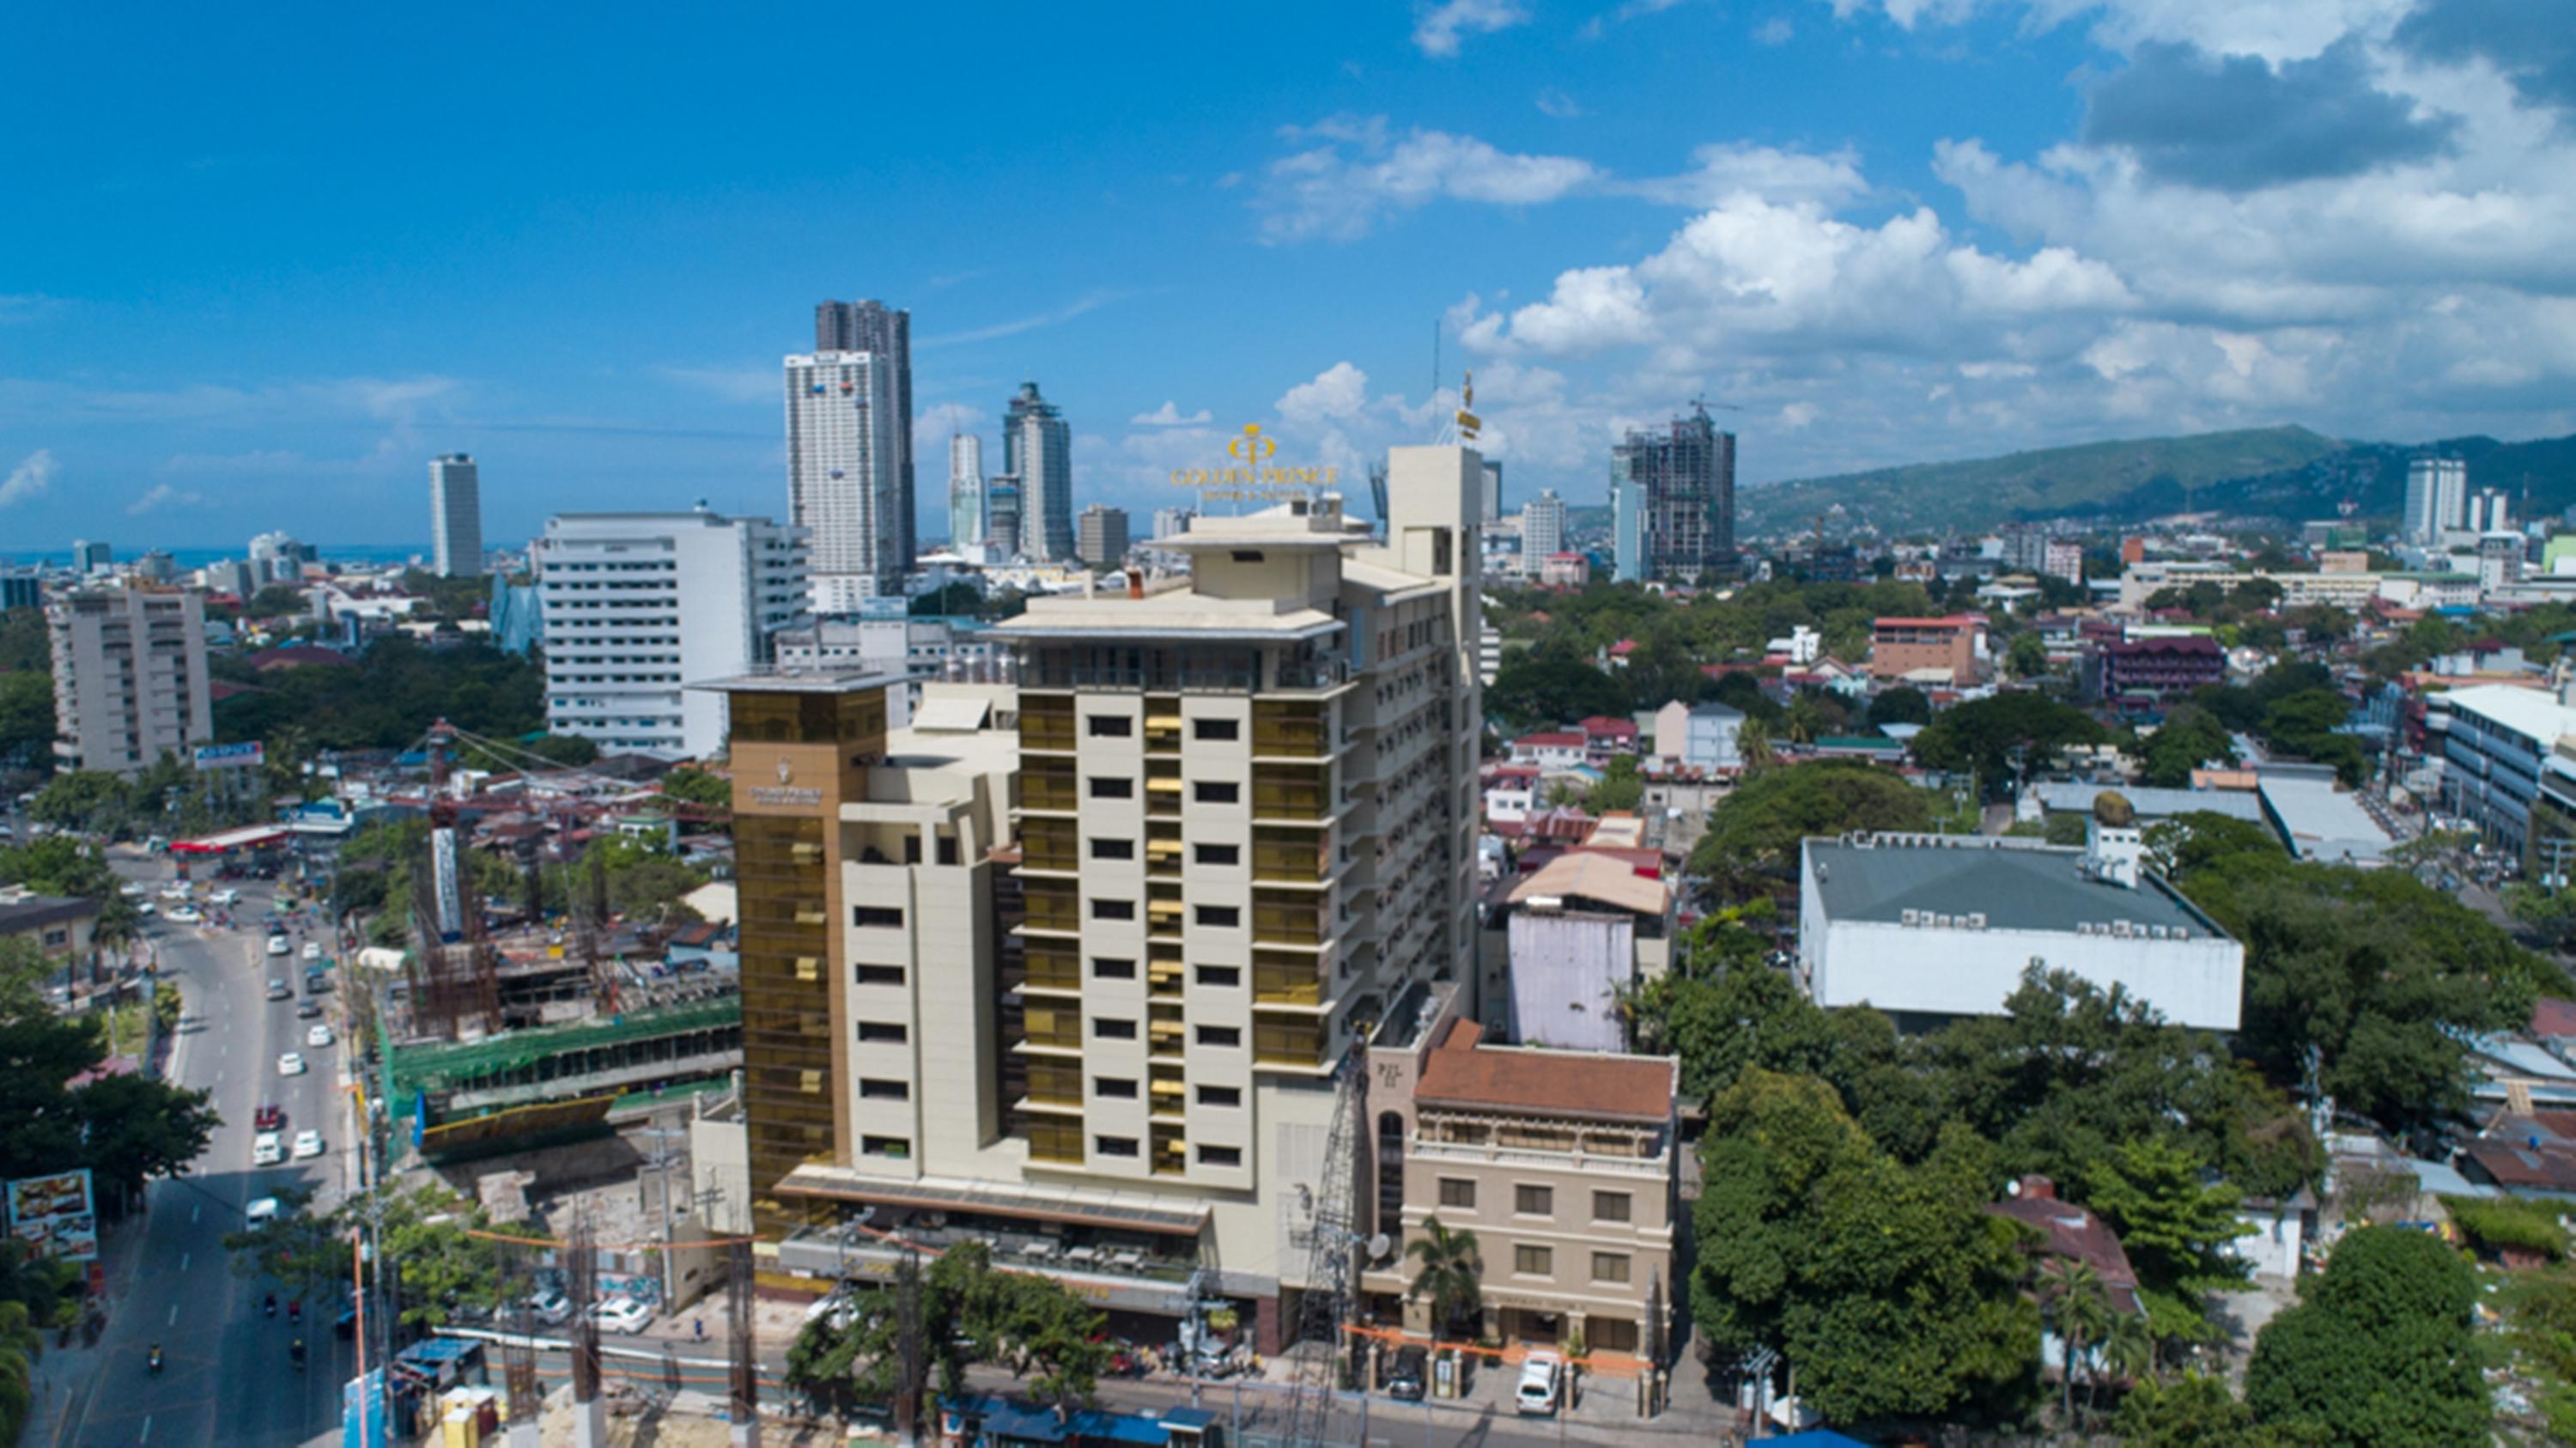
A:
1672	502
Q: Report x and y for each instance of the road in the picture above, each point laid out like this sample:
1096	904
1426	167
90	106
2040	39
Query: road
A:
227	1378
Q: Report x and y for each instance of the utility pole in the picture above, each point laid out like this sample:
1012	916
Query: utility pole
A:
662	1158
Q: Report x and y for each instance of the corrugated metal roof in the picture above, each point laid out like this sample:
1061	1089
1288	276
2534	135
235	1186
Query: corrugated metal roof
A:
2016	887
2150	803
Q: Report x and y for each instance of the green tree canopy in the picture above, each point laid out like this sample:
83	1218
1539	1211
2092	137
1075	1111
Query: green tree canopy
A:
2004	736
1753	837
1531	690
2379	1351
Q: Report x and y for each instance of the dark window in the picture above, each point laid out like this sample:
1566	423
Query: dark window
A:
1105	786
893	1146
1110	726
1610	1206
1216	791
1109	1028
1224	917
1113	909
888	1031
880	975
1218	854
911	847
873	1088
1216	729
1107	849
948	849
1530	1201
1122	1088
1103	968
1458	1192
1226	976
1246	555
877	917
1113	1146
1220	1096
1220	1036
1220	1156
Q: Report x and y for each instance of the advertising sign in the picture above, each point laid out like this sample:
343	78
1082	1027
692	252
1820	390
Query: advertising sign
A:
231	756
54	1216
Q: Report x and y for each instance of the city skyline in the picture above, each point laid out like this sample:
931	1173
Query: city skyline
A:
1911	233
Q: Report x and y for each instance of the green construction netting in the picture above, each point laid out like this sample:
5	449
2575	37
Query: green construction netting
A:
440	1067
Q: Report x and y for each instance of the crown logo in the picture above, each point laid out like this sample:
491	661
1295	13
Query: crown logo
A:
786	771
1252	449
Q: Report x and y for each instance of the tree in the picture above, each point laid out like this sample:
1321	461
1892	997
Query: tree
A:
62	865
2004	736
134	1128
2551	913
969	1313
1753	837
277	600
699	787
305	1253
85	799
1619	789
27	720
2027	656
1890	1290
2189	739
2075	1305
430	1231
2188	1412
2176	1228
1450	1275
1534	690
2379	1350
1903	704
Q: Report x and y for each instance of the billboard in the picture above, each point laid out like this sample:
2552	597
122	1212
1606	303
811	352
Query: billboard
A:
231	756
54	1216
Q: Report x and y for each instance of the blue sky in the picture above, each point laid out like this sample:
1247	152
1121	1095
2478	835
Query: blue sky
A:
257	266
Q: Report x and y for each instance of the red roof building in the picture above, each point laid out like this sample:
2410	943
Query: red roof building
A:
2070	1233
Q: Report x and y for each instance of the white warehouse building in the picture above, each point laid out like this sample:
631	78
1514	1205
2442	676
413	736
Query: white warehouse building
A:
1931	927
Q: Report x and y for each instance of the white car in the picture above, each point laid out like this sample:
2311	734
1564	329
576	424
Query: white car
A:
307	1143
145	907
1537	1391
175	891
319	1035
262	1211
551	1307
131	889
313	950
290	1064
225	896
266	1149
184	915
622	1314
280	945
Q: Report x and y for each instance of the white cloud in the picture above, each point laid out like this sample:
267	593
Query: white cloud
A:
1438	30
1557	104
1343	187
1168	415
1800	414
31	476
1052	316
1339	391
1730	169
161	495
1775	31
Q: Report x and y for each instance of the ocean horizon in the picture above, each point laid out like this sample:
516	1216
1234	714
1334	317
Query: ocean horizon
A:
364	553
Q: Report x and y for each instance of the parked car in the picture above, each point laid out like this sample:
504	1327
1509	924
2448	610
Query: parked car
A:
145	907
551	1306
313	950
225	896
280	945
320	1035
1408	1374
1537	1392
307	1144
184	915
131	889
290	1064
261	1212
266	1149
271	1117
622	1314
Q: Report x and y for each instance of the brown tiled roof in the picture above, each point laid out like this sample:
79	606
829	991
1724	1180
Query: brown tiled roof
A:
2509	1164
2077	1235
1464	1072
2553	1017
1595	875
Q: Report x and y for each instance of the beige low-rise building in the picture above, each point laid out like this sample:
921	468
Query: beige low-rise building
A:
1561	1163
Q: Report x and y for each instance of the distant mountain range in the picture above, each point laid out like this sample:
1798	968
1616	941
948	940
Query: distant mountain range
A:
2285	473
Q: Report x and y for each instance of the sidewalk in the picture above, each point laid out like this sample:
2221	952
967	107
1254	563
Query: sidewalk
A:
61	1378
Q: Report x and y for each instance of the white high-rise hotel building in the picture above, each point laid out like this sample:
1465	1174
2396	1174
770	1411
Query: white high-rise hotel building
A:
844	483
966	522
456	516
637	605
2437	497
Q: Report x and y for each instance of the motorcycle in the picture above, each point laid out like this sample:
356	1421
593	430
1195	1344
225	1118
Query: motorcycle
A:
295	1354
295	1310
268	1305
154	1362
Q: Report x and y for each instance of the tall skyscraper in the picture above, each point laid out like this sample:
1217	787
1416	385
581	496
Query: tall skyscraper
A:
129	677
1103	535
1037	448
90	557
1173	522
875	327
2437	498
1493	491
456	516
965	491
842	485
1542	528
1002	515
695	595
1672	501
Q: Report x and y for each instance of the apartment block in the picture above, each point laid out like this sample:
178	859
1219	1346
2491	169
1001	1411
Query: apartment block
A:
1926	650
638	604
1074	968
1562	1163
129	677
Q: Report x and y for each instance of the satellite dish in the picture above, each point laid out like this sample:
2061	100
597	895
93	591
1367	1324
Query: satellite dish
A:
1379	1246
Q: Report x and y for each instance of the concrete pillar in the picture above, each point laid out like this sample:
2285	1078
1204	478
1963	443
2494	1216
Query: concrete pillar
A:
590	1424
1265	1326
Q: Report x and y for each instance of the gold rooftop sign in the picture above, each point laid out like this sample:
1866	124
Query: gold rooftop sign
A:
1255	478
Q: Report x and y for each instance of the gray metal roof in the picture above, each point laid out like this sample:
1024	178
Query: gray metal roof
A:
2016	887
2077	798
2322	822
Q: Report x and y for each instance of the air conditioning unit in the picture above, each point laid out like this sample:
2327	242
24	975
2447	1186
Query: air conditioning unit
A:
1941	922
1912	917
2120	929
1976	920
2083	927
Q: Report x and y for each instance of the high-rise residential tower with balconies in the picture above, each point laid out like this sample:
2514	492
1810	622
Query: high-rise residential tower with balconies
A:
129	676
456	516
844	480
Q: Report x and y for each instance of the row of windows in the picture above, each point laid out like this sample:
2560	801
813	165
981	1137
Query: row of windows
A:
1123	1088
1105	848
1123	1028
1121	726
1529	1260
1223	976
1127	1146
1214	917
1532	1200
1205	791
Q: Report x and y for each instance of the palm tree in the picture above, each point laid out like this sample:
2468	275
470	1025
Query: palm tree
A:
2072	1299
2130	1349
1451	1270
1753	745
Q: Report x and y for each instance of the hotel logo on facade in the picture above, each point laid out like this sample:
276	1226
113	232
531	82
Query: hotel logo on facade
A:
1253	478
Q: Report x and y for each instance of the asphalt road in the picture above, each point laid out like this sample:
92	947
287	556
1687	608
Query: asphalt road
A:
227	1378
